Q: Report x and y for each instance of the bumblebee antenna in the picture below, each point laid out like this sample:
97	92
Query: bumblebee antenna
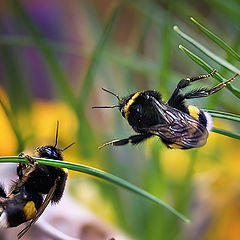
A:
115	106
68	146
104	89
56	139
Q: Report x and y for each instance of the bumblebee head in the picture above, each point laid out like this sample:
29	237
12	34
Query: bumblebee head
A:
51	151
123	103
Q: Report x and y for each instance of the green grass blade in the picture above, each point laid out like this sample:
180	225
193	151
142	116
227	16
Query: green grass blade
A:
153	10
56	46
60	80
97	53
209	69
85	135
217	40
144	66
14	126
206	51
100	174
228	8
15	84
226	133
165	55
224	115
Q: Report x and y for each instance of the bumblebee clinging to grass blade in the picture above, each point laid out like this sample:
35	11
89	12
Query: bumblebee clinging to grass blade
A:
36	187
177	124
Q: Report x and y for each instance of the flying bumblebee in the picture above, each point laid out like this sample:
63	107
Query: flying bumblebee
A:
36	187
177	124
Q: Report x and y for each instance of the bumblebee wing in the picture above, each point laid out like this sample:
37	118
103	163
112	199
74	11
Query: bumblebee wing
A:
40	210
187	133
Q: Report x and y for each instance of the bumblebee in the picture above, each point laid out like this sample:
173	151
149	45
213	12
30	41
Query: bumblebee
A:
178	125
36	187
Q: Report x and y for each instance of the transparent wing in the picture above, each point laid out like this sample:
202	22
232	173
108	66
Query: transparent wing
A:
40	210
184	131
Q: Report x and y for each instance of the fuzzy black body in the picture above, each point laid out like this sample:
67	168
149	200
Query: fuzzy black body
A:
42	178
148	115
177	124
15	208
37	185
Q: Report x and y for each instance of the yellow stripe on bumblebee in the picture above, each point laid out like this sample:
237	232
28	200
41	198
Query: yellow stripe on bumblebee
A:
194	111
65	170
30	210
175	146
129	103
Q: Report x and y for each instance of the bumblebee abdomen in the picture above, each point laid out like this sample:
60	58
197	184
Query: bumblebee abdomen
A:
12	215
29	210
18	213
19	208
179	144
206	120
193	111
203	117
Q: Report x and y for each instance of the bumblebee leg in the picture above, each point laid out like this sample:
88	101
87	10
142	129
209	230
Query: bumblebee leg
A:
184	83
193	79
207	92
135	139
29	158
20	170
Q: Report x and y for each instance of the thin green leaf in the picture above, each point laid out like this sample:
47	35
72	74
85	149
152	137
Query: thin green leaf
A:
85	135
209	69
153	10
229	8
226	133
141	65
14	126
100	174
56	46
206	51
136	63
224	115
58	76
88	79
15	85
165	55
217	40
184	192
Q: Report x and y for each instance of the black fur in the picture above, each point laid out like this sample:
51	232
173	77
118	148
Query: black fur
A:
148	115
37	183
2	191
43	177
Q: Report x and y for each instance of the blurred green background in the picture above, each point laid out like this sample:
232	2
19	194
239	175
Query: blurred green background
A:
55	56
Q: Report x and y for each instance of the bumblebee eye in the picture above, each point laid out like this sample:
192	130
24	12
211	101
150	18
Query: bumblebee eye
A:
48	151
137	108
